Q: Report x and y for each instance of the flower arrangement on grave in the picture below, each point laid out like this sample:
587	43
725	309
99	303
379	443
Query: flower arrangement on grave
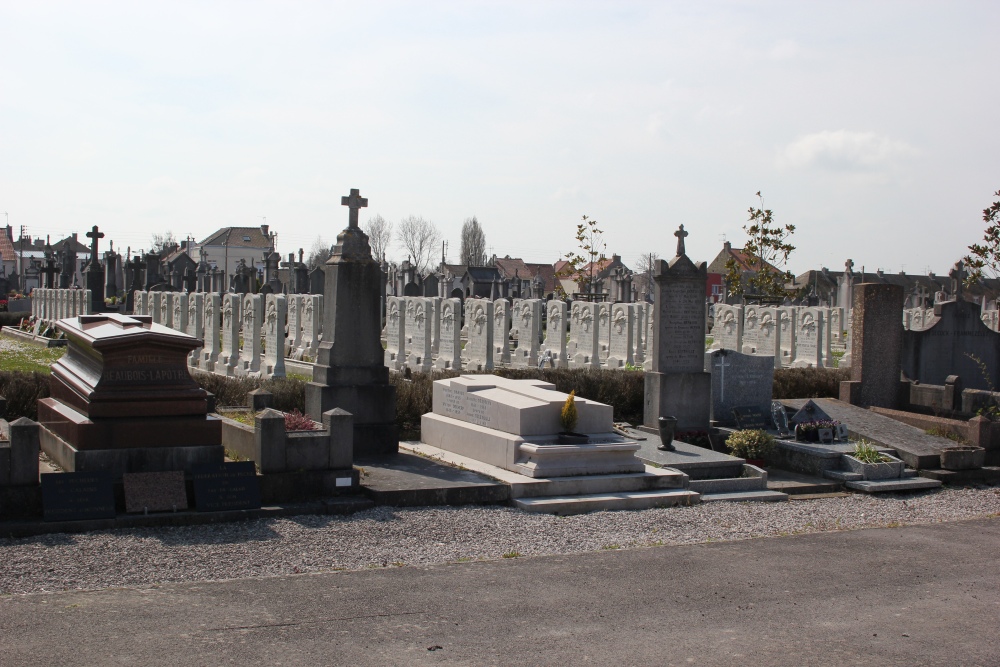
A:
296	421
3	305
568	416
753	445
810	431
865	452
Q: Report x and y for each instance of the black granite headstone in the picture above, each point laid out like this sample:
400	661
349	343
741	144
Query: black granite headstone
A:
752	417
76	496
226	486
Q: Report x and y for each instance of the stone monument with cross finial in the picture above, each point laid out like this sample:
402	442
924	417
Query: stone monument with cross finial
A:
350	371
95	273
677	384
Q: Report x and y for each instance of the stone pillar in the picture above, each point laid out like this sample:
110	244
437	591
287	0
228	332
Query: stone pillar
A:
876	347
677	386
350	372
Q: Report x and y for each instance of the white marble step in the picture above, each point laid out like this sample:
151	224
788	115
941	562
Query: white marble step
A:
595	502
885	485
745	496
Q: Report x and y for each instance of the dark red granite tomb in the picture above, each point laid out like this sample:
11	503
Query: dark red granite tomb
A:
122	399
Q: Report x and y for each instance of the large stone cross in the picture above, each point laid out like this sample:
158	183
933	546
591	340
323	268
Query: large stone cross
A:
680	234
94	234
355	201
958	276
50	271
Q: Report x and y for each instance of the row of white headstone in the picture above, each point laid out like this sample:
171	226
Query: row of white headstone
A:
49	305
921	319
796	336
241	334
424	333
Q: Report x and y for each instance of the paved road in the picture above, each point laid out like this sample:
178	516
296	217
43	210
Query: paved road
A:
905	596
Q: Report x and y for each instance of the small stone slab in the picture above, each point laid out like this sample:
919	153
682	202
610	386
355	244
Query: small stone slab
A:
882	486
155	491
226	486
78	496
752	417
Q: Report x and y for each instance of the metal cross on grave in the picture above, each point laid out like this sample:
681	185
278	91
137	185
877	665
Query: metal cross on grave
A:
680	234
355	201
94	234
958	276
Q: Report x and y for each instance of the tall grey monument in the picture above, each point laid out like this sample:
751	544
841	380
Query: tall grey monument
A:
350	371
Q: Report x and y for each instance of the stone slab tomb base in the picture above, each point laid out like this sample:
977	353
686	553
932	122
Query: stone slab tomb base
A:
514	425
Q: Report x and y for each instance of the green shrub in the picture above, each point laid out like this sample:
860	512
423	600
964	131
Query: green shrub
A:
22	391
865	452
751	444
809	382
12	319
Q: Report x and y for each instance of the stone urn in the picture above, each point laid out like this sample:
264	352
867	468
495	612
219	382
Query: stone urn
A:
667	426
963	458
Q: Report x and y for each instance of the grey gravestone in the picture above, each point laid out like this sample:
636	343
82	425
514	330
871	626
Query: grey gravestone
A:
752	417
75	496
877	342
155	491
740	381
676	385
810	412
226	486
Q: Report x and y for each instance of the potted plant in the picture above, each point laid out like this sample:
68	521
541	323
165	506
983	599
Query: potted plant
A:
567	420
963	457
871	463
807	432
753	445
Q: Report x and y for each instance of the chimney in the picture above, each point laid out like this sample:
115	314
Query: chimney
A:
263	230
727	246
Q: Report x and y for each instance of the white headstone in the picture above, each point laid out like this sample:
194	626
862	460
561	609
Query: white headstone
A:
769	334
232	317
213	325
420	330
809	343
253	323
527	314
620	347
395	332
479	348
588	350
450	344
727	332
501	331
275	309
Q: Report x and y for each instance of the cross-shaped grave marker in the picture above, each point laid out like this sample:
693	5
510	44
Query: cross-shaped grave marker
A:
680	234
722	366
94	234
355	201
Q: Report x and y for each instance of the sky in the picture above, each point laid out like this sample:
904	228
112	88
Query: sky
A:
870	126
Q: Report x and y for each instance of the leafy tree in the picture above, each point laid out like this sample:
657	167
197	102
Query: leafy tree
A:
419	238
767	250
473	248
983	259
591	243
379	231
161	242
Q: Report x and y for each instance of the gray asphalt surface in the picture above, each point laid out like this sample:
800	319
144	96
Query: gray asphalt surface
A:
918	595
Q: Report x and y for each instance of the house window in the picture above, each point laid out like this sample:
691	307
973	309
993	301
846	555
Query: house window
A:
246	239
716	290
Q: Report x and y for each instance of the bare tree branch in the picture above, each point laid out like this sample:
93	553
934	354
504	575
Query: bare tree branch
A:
318	253
379	231
420	238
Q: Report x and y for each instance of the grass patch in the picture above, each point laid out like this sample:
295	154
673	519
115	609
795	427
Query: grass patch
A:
511	554
25	358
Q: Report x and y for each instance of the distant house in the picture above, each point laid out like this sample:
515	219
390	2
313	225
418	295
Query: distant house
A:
226	247
8	257
599	273
483	282
717	270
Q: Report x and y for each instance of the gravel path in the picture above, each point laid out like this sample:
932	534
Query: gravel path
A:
387	537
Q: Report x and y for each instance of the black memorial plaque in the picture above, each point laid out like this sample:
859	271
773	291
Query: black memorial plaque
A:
226	486
76	496
752	418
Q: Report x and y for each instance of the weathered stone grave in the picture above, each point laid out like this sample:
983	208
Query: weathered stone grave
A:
739	381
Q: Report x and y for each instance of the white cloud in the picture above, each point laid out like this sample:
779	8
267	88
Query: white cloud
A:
845	150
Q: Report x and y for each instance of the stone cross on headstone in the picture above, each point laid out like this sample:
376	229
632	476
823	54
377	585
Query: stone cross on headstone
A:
94	234
958	276
722	366
849	266
355	201
680	234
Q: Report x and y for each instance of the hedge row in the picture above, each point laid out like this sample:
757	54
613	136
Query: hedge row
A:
623	390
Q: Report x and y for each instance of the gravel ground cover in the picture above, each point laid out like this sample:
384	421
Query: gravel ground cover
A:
392	537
